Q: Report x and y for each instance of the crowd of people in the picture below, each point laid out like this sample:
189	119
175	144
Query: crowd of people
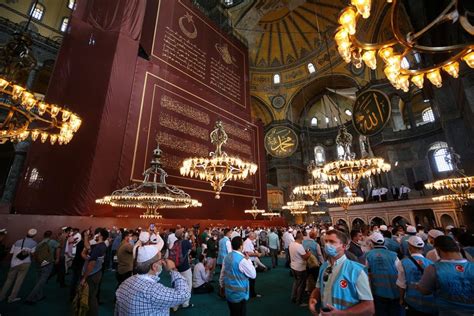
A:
372	271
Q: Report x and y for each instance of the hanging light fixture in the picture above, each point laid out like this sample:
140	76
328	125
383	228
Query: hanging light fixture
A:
254	211
460	185
295	205
345	201
394	52
317	186
23	115
271	215
152	194
219	167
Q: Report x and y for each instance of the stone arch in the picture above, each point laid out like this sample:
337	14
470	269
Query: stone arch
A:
259	109
357	223
342	222
399	221
377	220
446	220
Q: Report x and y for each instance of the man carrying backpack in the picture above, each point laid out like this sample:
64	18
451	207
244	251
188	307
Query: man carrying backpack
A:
179	254
44	258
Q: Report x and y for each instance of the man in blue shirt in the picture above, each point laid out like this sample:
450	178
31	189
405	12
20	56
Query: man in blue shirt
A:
92	273
274	245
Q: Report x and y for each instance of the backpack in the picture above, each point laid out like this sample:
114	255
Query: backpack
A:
176	253
43	253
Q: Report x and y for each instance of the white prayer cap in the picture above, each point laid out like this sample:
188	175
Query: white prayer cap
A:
411	229
449	227
144	237
147	252
433	233
32	232
377	238
423	236
158	241
416	241
383	228
290	230
64	228
331	228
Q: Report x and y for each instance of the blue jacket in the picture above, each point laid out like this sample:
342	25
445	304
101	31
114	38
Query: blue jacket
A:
383	273
222	249
413	297
455	290
236	283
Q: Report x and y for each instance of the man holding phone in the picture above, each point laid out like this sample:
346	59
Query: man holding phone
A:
343	285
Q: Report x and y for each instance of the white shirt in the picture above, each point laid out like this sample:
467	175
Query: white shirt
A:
29	245
171	239
433	255
245	266
249	248
287	239
296	254
401	280
383	191
404	189
200	275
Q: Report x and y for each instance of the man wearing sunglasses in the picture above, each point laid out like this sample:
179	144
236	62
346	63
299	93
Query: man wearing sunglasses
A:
343	286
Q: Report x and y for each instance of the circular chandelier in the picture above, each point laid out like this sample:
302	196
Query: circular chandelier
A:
298	212
317	186
271	214
349	170
397	52
318	212
152	194
22	115
460	187
345	201
219	167
296	205
254	211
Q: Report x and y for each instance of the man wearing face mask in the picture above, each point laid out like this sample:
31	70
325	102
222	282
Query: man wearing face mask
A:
125	257
410	270
383	277
343	286
450	280
142	294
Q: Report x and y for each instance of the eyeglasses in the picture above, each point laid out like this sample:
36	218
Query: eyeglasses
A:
327	273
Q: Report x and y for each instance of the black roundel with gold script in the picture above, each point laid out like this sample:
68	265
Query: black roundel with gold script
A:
371	112
281	141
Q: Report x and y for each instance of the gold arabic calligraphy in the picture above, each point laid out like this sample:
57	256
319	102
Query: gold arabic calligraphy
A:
371	113
281	141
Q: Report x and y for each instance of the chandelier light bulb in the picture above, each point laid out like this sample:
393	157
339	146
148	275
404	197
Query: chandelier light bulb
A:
348	20
452	69
3	83
342	36
370	60
434	77
469	59
418	80
386	53
404	82
363	7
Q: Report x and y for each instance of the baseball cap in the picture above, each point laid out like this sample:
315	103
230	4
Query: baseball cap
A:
383	228
377	238
411	229
416	241
144	237
32	232
433	233
449	227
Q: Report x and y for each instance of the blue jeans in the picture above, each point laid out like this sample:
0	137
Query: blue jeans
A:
43	274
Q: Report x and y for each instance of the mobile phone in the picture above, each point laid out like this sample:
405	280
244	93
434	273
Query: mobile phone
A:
152	226
325	309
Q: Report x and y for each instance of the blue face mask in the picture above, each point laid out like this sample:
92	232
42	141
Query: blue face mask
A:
330	250
132	242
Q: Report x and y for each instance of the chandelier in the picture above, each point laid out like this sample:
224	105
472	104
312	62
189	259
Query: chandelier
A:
271	214
23	115
152	194
349	170
459	186
318	212
317	187
296	205
298	212
254	211
219	167
404	51
345	201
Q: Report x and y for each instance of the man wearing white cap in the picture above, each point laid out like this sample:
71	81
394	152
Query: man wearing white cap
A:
432	254
411	231
142	294
410	270
287	240
383	277
21	260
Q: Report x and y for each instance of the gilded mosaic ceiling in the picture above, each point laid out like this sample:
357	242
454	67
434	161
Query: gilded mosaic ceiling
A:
282	33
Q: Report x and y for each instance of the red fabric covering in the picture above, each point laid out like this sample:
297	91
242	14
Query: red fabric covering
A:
99	75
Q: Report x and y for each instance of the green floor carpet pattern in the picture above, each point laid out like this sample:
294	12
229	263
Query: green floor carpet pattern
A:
275	286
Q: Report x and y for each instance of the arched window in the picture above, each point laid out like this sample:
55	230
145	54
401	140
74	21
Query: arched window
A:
314	121
427	115
340	152
319	155
440	155
311	68
71	4
276	78
37	11
64	24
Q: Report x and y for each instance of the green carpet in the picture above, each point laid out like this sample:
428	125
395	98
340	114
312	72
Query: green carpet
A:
275	286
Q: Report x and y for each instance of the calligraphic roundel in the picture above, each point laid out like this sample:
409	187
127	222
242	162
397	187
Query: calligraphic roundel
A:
281	141
371	112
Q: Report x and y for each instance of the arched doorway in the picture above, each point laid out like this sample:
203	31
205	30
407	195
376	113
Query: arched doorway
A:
400	221
357	224
446	220
342	225
377	221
